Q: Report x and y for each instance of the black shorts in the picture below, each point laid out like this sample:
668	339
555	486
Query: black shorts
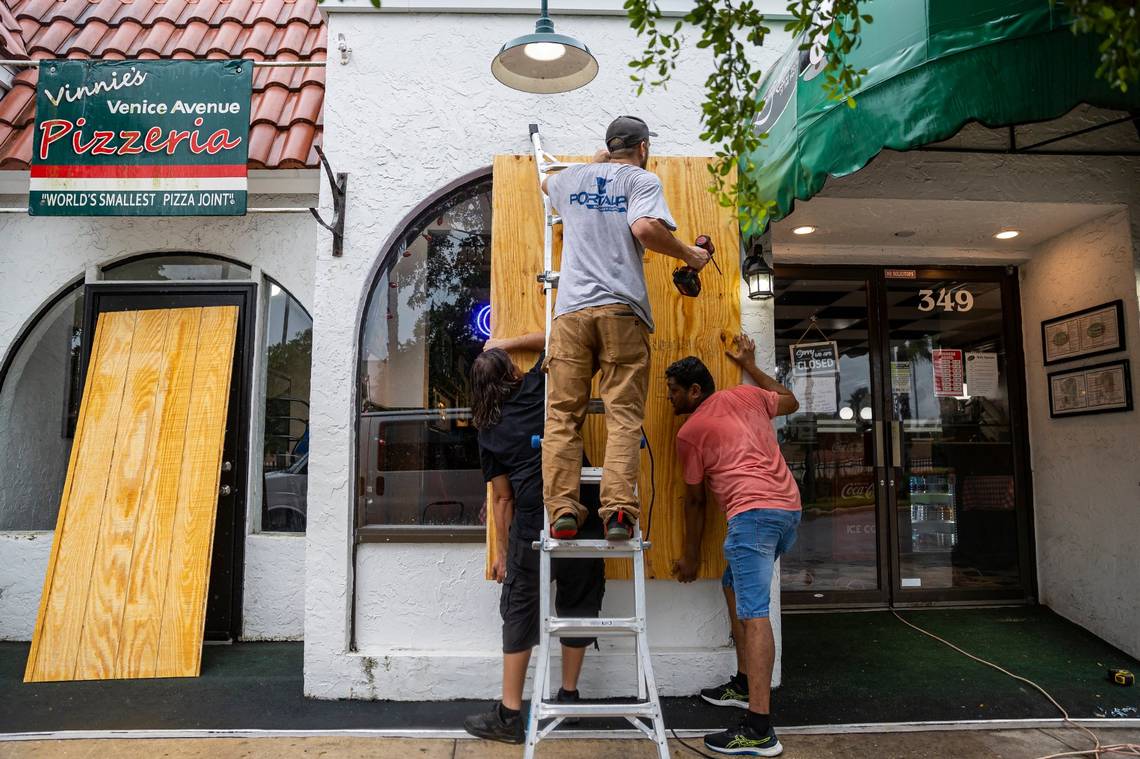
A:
580	585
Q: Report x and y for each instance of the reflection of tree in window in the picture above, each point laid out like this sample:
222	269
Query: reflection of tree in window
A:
419	458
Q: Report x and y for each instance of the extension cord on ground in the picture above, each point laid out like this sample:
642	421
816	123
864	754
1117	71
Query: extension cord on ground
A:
1098	749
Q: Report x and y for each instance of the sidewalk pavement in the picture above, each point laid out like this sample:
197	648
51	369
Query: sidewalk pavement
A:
961	744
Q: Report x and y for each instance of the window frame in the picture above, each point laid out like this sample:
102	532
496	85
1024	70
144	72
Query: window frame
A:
391	251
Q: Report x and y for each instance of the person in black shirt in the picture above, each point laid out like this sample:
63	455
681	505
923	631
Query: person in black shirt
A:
508	409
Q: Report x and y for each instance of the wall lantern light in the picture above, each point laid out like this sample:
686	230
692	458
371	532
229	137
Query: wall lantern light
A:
544	62
758	275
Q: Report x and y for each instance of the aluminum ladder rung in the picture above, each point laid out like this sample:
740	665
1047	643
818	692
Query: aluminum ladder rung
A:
591	475
591	549
646	709
590	627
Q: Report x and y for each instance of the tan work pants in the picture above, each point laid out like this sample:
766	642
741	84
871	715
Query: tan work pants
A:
615	341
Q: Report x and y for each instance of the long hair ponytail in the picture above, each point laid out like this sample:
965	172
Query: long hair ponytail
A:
492	383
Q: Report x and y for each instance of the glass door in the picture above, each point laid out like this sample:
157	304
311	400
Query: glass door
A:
954	411
909	444
826	353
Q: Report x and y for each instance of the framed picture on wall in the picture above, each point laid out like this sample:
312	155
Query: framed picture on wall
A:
1098	389
1081	334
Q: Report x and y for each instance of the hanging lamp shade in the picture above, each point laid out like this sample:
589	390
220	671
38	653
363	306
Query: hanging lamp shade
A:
544	62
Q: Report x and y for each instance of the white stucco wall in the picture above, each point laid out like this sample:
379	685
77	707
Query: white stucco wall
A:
406	122
39	256
1086	475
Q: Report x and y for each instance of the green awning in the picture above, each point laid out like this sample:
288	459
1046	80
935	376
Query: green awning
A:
932	66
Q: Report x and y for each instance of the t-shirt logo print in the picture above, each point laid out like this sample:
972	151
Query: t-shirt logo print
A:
600	201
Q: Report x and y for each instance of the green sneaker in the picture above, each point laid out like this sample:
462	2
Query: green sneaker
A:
565	527
618	527
744	741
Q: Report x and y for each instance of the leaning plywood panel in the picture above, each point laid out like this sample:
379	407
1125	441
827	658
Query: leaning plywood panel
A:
184	607
134	510
55	642
684	326
137	654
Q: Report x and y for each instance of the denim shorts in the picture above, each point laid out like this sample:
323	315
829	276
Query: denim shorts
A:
755	539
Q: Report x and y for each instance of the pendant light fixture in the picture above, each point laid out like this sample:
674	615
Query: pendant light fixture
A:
544	62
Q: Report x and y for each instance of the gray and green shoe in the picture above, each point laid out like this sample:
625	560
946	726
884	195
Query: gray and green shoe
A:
744	741
732	693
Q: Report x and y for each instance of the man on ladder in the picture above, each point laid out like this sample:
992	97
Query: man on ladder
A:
611	211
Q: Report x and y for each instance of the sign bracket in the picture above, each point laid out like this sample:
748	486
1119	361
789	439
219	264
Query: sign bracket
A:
338	183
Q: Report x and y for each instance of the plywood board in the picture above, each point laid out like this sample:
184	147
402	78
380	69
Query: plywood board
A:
684	326
125	591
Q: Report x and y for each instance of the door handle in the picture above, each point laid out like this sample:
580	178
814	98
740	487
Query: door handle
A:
896	443
880	457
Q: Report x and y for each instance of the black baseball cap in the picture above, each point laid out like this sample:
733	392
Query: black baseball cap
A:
627	132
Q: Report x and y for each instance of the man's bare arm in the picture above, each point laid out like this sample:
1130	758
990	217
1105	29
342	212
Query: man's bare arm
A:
532	341
503	503
743	353
685	568
655	236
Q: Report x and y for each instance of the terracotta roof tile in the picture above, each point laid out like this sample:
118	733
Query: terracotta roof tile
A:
286	110
11	36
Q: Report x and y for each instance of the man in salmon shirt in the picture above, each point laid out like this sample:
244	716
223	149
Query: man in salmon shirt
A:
729	443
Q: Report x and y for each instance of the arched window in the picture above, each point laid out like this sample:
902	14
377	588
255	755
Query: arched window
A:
177	266
426	318
285	462
39	404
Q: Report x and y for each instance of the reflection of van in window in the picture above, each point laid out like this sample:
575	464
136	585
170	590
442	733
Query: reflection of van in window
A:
420	467
285	494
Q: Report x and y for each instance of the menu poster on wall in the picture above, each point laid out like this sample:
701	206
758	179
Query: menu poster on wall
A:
982	374
1095	389
948	372
1085	333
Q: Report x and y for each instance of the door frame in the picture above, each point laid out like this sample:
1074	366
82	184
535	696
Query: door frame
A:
100	297
890	594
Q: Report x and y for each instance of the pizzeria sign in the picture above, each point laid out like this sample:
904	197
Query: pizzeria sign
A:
141	138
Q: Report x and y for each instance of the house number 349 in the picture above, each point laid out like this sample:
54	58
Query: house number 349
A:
947	300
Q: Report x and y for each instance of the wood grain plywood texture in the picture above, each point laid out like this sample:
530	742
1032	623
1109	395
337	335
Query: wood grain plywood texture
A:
684	326
138	506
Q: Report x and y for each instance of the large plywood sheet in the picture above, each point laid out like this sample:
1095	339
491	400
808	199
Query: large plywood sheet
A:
684	326
125	591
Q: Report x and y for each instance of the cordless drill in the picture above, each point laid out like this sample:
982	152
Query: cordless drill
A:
686	278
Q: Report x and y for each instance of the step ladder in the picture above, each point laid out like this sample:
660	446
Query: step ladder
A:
644	713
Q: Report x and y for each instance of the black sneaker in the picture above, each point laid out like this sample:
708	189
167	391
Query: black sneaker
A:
744	741
619	527
494	727
566	697
732	693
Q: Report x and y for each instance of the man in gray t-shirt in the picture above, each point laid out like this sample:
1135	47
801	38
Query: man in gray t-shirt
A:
612	210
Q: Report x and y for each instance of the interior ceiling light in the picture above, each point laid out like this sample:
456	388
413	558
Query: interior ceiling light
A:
807	229
544	62
1007	234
